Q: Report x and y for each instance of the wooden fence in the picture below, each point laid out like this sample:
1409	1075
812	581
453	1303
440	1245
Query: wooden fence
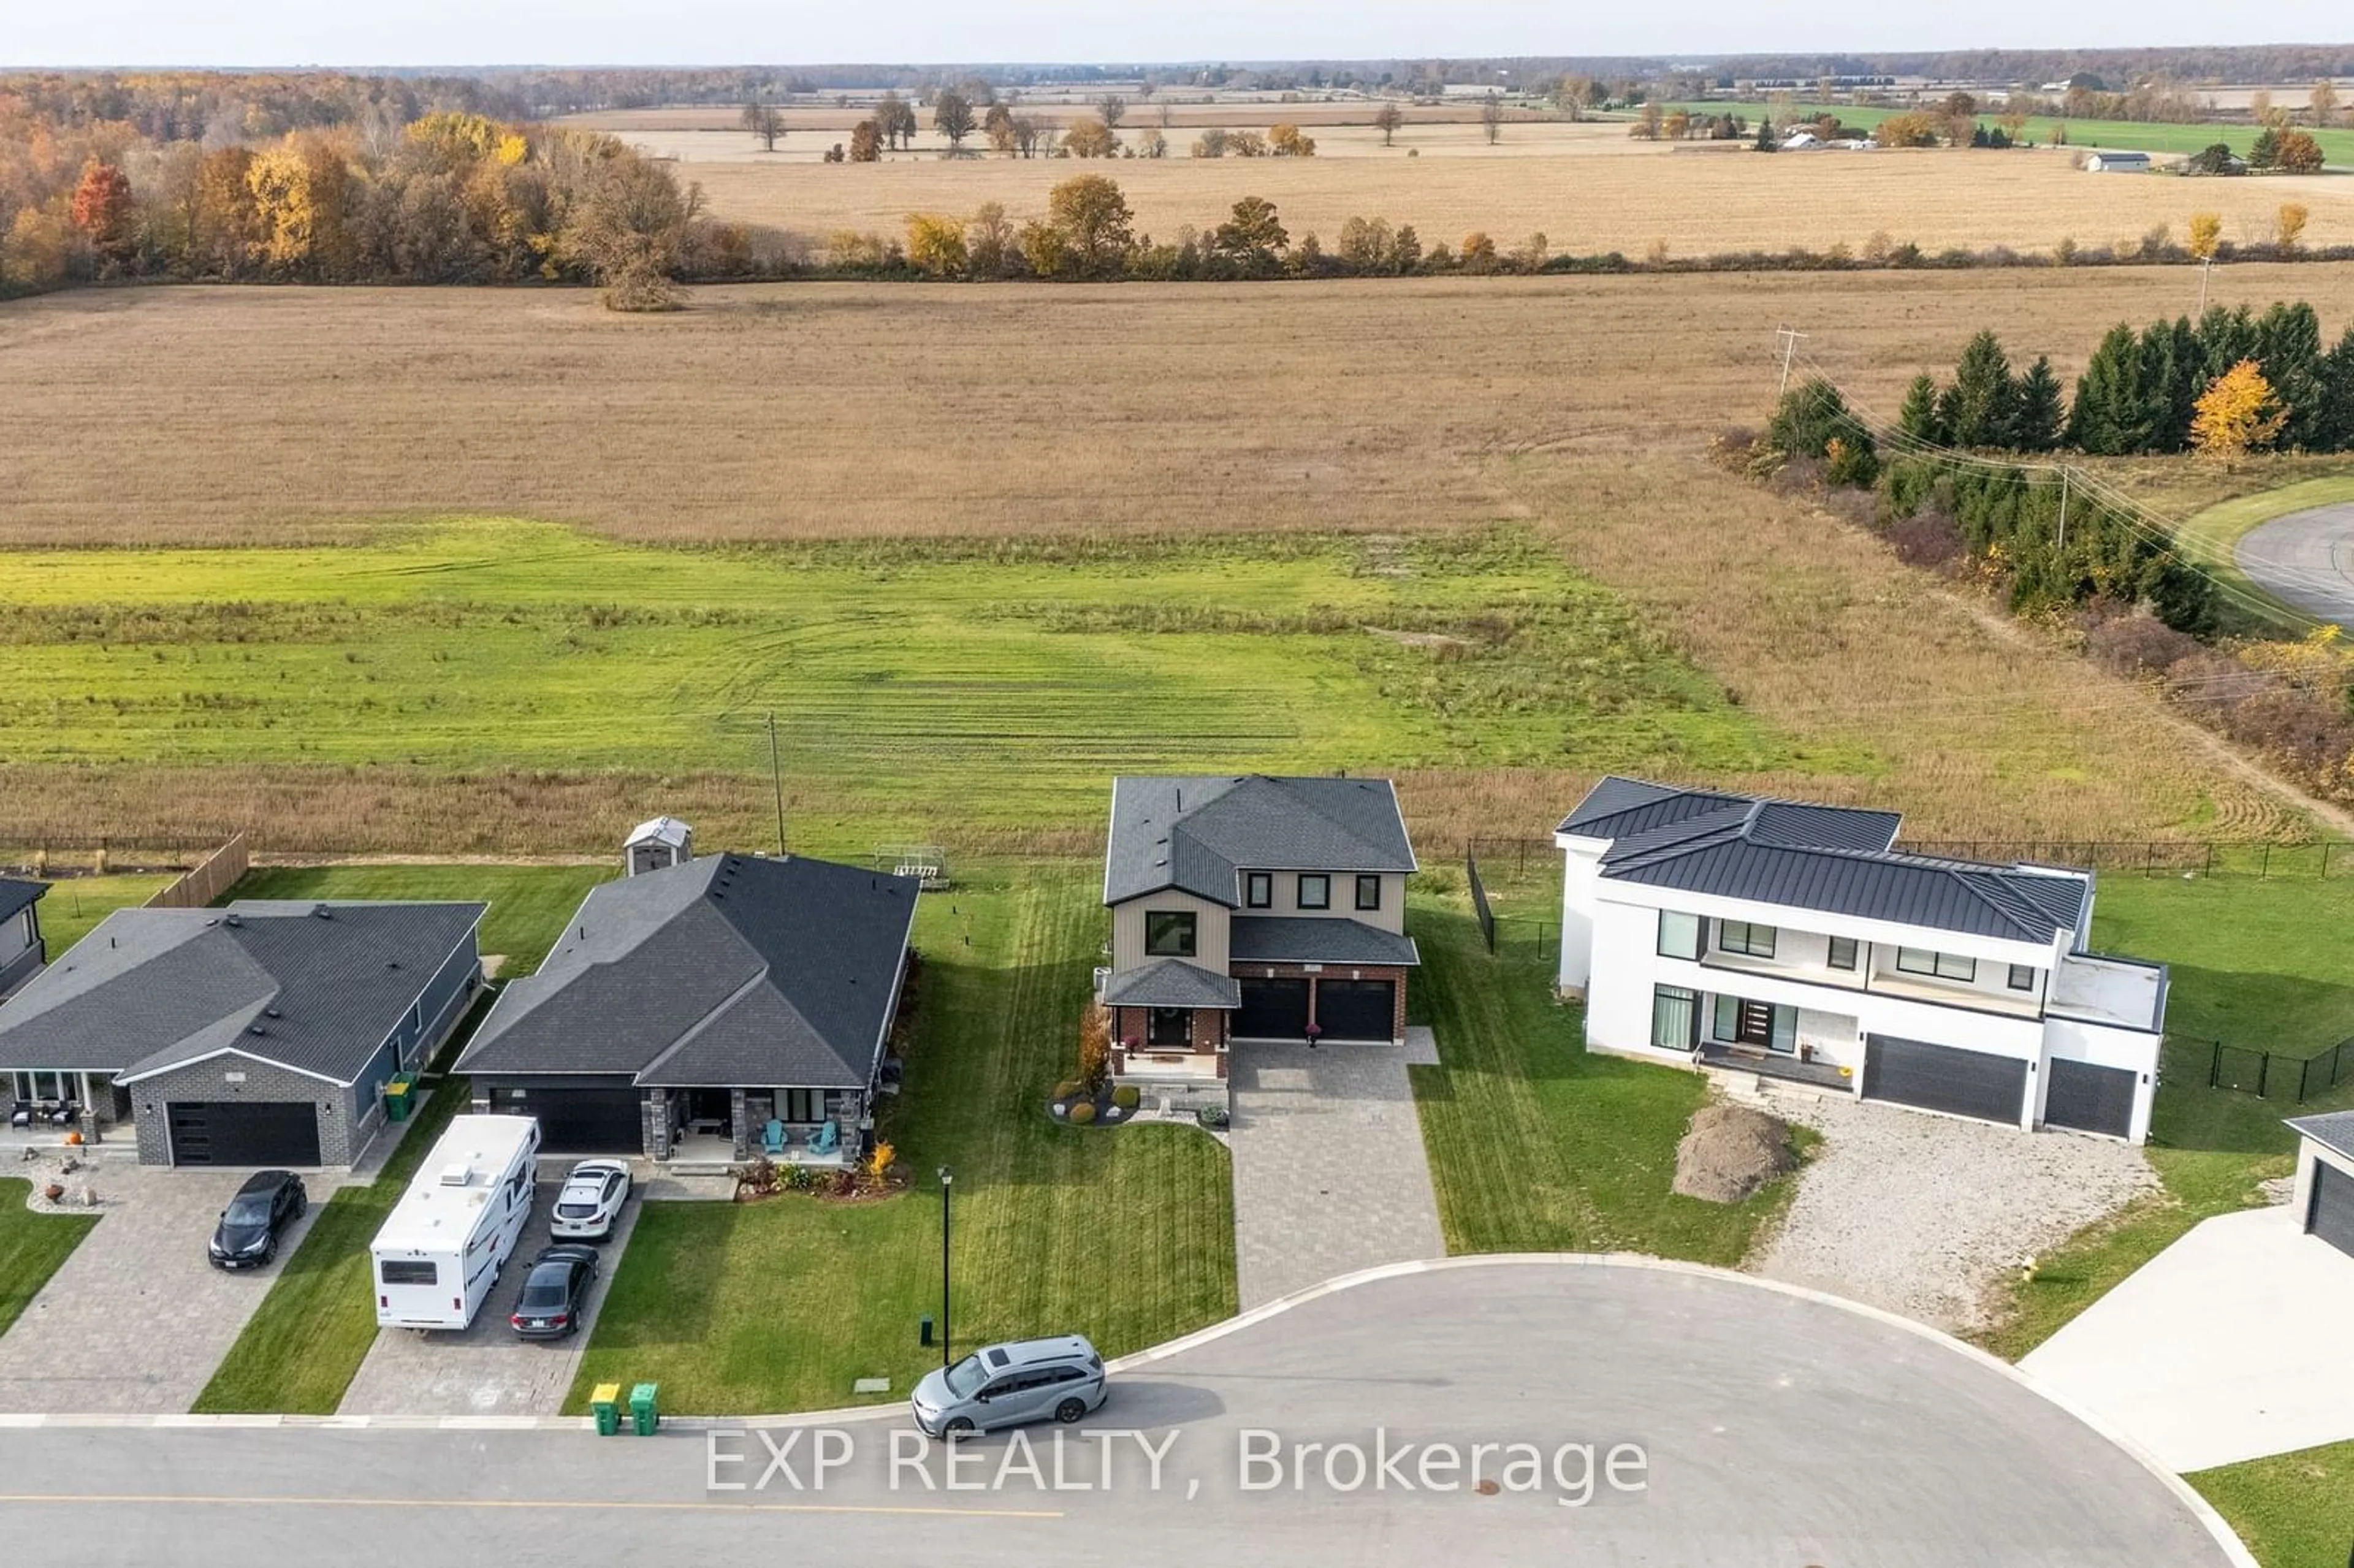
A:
212	876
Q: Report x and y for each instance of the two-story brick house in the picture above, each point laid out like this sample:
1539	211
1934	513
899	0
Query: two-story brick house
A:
1252	908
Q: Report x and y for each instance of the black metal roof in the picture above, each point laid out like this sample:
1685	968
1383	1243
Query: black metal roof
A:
1311	940
724	971
1172	982
2334	1130
316	987
1199	833
1833	859
17	896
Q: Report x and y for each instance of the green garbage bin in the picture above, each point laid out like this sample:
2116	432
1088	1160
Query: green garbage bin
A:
643	1416
398	1099
606	1402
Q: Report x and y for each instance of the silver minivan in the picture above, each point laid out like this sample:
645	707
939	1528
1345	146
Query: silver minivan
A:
1005	1385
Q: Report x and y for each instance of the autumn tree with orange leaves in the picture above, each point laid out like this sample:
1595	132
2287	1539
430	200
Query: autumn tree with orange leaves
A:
101	210
2237	414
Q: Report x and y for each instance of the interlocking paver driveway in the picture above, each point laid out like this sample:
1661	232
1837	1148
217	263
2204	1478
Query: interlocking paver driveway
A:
137	1319
1330	1174
486	1371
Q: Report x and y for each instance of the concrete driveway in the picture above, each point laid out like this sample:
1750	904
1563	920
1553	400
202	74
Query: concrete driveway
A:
1776	1429
486	1370
2306	560
2230	1344
137	1319
1329	1173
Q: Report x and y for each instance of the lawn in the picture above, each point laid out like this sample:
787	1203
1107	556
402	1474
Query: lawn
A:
32	1247
1537	1145
924	684
2253	963
2212	534
75	904
300	1350
529	904
1126	1234
2337	146
2292	1510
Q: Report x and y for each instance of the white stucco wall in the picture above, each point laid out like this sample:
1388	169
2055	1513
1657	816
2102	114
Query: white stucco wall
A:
2311	1155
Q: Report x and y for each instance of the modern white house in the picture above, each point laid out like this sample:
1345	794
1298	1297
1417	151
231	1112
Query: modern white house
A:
1794	941
2324	1200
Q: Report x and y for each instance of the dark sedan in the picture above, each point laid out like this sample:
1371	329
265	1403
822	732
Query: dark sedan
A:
247	1236
557	1294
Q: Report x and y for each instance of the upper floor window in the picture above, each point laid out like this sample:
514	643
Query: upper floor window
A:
1945	966
1744	936
1169	933
1678	935
1315	890
2022	977
1369	892
1843	953
1258	889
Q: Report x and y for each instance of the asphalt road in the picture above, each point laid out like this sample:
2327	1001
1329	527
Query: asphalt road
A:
1773	1429
2306	559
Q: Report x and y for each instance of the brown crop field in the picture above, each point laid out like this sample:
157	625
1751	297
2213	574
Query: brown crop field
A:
1579	407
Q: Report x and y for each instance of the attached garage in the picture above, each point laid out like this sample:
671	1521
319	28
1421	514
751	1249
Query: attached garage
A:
2330	1213
576	1121
1357	1009
1272	1009
243	1132
2090	1098
1944	1079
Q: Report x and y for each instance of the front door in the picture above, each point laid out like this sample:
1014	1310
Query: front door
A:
1170	1029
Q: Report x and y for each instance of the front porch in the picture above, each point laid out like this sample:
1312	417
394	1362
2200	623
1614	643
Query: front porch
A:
1768	1063
1772	1040
44	1105
698	1130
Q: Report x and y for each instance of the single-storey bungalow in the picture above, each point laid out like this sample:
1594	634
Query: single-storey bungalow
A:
2323	1201
21	952
263	1034
710	1009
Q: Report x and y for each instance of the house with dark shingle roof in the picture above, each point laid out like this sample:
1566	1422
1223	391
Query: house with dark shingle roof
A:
21	952
1252	908
1796	941
690	1006
263	1034
2323	1201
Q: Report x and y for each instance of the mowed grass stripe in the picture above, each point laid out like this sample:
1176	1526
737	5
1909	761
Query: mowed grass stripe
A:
32	1247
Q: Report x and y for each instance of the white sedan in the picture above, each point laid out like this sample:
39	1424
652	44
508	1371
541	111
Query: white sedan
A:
591	1200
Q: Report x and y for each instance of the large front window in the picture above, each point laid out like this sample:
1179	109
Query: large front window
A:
45	1085
1675	1018
1169	933
1678	935
1744	936
1942	965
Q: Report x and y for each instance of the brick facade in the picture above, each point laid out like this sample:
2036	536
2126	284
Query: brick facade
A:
344	1125
1205	1035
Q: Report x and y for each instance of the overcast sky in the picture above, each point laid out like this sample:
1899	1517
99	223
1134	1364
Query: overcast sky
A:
349	33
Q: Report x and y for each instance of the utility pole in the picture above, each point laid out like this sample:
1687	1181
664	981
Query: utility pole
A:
1789	341
2063	508
777	780
2206	265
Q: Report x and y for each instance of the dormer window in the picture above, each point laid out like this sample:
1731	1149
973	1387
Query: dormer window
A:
1259	890
1315	890
1169	933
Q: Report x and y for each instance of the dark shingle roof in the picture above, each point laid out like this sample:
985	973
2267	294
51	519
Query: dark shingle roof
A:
729	970
1828	858
152	989
17	896
1197	833
1307	939
2334	1130
1170	982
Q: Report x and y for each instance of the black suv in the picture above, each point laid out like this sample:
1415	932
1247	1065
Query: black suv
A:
247	1236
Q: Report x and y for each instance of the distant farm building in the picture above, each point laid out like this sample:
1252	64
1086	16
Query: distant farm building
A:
2117	164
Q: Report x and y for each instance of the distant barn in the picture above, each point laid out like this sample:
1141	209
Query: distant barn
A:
2117	164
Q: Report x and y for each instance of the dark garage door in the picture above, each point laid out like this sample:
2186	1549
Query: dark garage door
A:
2090	1098
1356	1009
1943	1078
244	1132
1272	1010
2332	1215
579	1121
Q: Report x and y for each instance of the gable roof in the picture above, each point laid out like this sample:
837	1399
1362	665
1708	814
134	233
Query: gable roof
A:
1172	982
1834	859
17	896
315	987
729	970
1199	834
2333	1131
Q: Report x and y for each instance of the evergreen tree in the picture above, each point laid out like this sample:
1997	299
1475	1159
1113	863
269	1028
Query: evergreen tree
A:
2040	409
2288	352
2173	374
2225	338
1918	418
1765	142
1981	406
2109	417
2334	430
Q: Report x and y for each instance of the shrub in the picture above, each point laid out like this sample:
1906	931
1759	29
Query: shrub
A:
1810	417
2138	645
1929	539
1082	1113
1211	1116
1125	1096
1095	1047
1850	460
1067	1089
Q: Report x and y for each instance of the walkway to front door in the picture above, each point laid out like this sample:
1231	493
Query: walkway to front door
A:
1330	1174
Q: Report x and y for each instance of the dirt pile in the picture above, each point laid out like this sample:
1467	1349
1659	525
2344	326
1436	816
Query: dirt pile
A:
1730	1151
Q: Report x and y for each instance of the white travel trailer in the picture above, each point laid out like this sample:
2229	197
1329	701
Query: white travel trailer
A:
459	1222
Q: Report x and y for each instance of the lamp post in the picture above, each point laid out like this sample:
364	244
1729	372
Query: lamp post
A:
946	1180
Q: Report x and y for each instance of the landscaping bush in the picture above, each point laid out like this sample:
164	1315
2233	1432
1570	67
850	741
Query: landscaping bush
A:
1095	1046
2138	645
1212	1116
1125	1096
1082	1113
1067	1089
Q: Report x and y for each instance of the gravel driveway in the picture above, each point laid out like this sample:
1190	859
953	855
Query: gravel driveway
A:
1922	1214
